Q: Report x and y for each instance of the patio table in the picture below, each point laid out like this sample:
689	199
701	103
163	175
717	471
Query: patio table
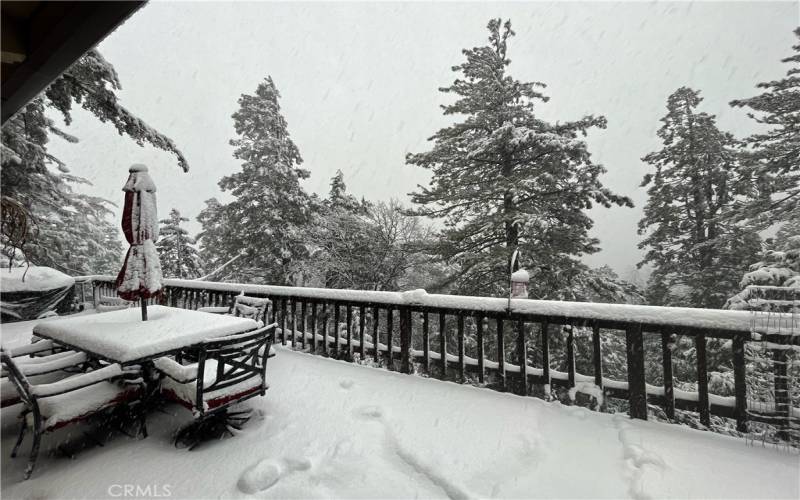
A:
122	337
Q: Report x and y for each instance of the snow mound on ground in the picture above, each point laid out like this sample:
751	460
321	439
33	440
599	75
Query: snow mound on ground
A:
33	279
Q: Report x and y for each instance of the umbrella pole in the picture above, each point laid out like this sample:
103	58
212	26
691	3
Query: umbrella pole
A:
144	308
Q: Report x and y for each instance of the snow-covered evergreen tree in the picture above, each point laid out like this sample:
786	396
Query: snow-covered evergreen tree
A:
771	170
70	230
264	223
176	249
504	179
696	256
339	198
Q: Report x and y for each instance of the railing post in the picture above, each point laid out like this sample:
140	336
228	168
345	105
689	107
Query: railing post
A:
361	323
405	340
481	354
501	354
443	344
461	361
426	343
740	383
702	380
545	340
522	358
666	364
570	355
637	390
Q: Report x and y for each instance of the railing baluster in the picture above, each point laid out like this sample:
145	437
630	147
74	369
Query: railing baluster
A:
314	327
501	355
479	320
376	353
461	362
361	323
389	335
443	344
405	340
325	314
522	358
303	316
426	344
294	322
702	380
283	321
570	355
666	360
336	330
597	356
740	383
349	319
637	390
545	341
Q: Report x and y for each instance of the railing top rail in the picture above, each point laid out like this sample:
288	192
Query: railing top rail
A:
709	319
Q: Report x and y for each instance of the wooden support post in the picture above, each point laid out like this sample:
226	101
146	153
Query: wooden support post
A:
426	343
637	390
461	361
522	359
740	383
666	361
501	355
361	322
479	320
443	344
405	340
702	380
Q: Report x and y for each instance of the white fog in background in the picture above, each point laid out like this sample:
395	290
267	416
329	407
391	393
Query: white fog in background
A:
359	86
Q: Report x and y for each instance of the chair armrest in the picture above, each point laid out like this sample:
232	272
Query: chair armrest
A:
60	363
32	348
176	371
215	310
78	382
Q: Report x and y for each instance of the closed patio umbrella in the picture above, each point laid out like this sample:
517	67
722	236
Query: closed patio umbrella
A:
140	277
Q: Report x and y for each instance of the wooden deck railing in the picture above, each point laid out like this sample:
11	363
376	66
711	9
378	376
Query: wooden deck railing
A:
513	341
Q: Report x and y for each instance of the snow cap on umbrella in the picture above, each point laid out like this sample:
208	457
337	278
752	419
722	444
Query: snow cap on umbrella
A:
139	180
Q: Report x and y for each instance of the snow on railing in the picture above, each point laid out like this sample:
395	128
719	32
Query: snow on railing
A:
473	333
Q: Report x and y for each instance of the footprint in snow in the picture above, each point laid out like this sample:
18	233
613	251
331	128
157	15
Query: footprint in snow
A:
346	384
371	412
260	476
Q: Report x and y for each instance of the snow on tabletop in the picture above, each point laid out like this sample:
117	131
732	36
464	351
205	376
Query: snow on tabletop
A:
329	429
122	336
36	279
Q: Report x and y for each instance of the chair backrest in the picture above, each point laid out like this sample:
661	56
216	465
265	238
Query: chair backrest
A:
19	380
254	308
239	358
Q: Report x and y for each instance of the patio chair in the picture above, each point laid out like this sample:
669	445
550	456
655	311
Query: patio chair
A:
244	306
50	406
228	371
41	370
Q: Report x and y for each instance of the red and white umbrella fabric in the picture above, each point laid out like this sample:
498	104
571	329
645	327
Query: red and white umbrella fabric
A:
140	277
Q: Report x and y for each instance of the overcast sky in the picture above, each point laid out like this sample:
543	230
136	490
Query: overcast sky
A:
359	86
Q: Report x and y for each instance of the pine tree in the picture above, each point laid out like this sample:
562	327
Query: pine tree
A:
265	221
771	171
69	230
505	179
338	197
697	257
176	249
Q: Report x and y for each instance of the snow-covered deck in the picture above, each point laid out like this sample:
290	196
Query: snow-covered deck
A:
330	429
